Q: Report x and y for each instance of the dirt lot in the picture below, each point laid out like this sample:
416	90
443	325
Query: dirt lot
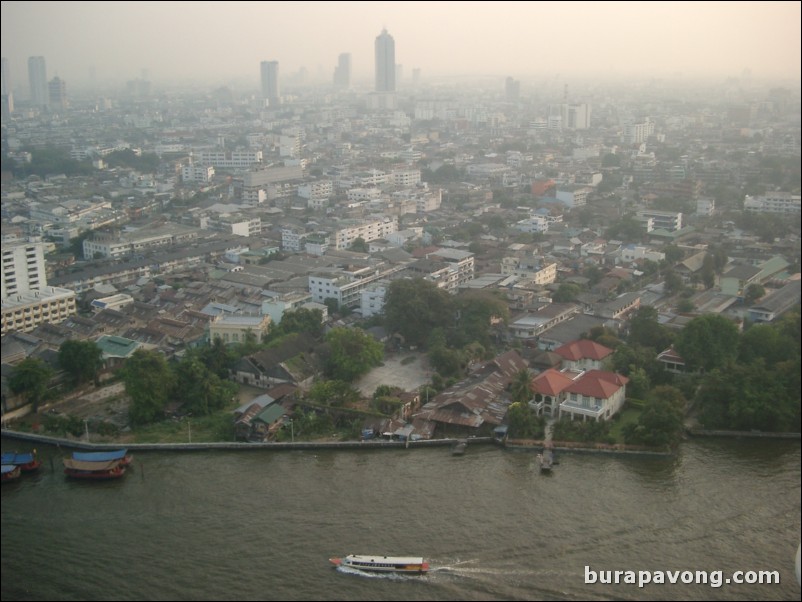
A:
408	370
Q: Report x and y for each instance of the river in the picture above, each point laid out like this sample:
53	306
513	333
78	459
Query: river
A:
261	524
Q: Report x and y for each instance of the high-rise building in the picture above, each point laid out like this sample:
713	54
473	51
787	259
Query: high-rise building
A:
23	268
342	72
8	95
37	77
512	88
57	93
270	89
385	62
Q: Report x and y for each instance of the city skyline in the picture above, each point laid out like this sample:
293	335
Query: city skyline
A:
572	39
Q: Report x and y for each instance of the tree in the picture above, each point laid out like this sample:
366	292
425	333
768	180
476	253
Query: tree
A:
659	425
415	307
359	245
31	377
336	393
82	360
149	383
707	342
523	422
521	386
301	320
673	254
353	352
566	292
199	390
646	331
752	293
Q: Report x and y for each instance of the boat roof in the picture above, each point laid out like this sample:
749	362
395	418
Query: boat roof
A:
100	456
15	458
386	559
7	468
90	466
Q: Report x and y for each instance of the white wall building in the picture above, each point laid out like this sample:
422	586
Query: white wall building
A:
23	268
774	202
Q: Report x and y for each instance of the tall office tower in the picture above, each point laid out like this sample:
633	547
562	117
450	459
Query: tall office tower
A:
57	93
37	77
385	62
416	76
512	88
270	89
8	95
342	72
23	268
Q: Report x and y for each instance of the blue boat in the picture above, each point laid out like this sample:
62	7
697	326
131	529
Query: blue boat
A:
26	462
104	456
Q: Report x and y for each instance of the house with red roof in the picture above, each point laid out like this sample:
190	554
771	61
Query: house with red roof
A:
592	394
583	354
595	395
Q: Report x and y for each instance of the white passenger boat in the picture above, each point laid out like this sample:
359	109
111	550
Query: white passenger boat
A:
383	564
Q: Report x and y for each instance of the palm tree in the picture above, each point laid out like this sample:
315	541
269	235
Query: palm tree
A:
521	386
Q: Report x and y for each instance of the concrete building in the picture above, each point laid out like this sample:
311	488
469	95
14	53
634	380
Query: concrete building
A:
25	311
37	78
23	268
270	83
385	62
342	72
236	329
774	202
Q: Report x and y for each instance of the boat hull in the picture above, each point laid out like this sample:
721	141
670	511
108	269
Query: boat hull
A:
95	475
383	564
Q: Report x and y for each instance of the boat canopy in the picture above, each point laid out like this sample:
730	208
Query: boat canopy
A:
14	458
101	456
7	468
90	466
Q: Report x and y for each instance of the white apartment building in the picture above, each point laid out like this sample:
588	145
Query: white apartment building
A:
23	268
197	174
773	202
321	189
637	133
461	261
374	177
363	194
25	311
371	300
346	288
532	224
236	329
113	246
529	269
367	231
666	220
278	305
291	239
705	206
407	178
230	159
574	197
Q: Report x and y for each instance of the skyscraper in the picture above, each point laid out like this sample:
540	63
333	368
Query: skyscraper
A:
37	77
8	95
342	72
57	91
270	89
385	62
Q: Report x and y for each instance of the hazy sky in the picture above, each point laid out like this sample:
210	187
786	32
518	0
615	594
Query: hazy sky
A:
223	42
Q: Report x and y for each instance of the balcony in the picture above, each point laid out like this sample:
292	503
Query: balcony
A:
595	412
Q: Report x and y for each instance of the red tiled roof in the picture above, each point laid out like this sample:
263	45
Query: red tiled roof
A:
550	382
582	349
598	383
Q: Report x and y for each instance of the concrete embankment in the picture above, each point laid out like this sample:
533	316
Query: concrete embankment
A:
373	444
590	448
694	432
